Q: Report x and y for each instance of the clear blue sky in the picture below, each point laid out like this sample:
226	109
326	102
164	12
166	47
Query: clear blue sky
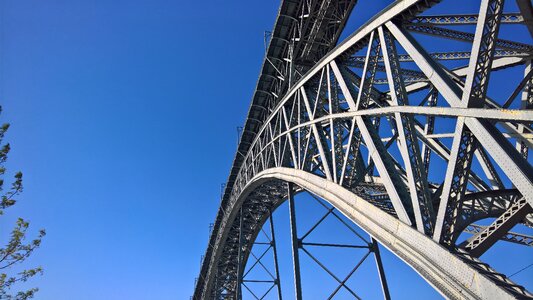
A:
124	117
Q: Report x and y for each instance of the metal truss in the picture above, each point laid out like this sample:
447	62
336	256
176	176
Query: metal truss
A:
513	18
453	55
363	125
273	280
483	240
465	144
467	37
300	245
511	237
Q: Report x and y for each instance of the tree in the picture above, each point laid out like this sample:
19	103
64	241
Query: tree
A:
17	250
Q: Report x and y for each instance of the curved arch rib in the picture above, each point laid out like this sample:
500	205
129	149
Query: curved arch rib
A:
447	272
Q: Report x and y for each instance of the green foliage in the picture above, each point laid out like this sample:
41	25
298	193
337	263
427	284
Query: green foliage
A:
17	248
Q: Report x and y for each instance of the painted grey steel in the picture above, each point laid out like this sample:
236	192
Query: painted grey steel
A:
295	242
515	18
464	143
275	252
483	240
511	237
381	270
320	123
240	266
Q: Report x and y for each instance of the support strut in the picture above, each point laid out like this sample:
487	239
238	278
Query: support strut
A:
295	244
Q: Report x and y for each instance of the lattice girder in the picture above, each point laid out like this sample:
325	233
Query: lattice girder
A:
354	130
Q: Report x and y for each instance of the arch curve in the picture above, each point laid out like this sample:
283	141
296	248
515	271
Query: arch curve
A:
447	272
308	134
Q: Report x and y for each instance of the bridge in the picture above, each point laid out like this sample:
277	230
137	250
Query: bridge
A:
399	129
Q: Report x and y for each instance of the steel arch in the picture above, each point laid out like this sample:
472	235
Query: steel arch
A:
316	127
452	276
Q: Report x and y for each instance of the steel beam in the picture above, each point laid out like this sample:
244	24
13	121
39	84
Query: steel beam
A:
512	163
452	276
467	37
482	241
263	151
526	104
295	242
464	143
526	10
239	259
275	253
381	270
381	158
463	19
408	142
512	237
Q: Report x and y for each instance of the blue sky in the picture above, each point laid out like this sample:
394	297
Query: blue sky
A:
124	117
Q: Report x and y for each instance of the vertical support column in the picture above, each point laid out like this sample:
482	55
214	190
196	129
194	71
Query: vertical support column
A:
381	270
217	290
429	127
370	175
239	260
275	251
295	243
291	65
527	103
